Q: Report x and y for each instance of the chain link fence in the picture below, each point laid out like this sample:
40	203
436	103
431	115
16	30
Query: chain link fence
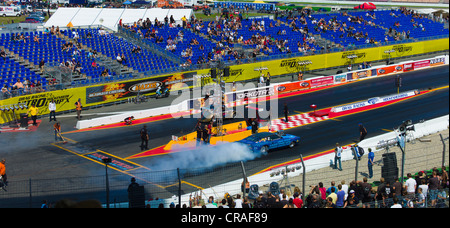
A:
193	186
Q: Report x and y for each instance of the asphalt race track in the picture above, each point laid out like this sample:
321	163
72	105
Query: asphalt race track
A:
315	137
32	154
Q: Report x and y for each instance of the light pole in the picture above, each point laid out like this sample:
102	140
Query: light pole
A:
389	55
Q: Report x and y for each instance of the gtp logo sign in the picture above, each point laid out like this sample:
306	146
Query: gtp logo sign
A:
373	101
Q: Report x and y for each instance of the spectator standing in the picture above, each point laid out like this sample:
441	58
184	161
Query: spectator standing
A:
333	186
371	157
132	185
419	179
344	188
238	202
444	178
268	79
33	111
340	197
333	195
367	193
378	195
297	201
397	189
362	132
433	185
205	135
245	186
323	191
337	157
286	112
78	108
410	186
144	138
284	201
420	199
198	129
52	109
424	187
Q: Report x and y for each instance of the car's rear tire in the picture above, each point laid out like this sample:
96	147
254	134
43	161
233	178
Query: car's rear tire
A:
292	145
264	150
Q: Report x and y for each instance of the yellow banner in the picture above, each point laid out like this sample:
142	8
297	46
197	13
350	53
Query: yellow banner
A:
64	99
314	62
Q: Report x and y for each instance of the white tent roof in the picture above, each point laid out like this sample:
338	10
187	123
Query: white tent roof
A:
425	11
109	17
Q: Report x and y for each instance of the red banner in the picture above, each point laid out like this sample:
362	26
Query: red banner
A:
293	86
408	67
389	69
326	80
421	64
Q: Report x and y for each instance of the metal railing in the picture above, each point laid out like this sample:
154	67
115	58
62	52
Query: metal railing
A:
175	184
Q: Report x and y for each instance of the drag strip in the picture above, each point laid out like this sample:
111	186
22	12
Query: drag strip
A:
124	142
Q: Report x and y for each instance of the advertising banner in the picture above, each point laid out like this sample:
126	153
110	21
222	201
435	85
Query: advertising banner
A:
252	71
374	100
437	61
113	91
340	78
361	74
421	64
293	86
389	69
408	67
64	99
326	80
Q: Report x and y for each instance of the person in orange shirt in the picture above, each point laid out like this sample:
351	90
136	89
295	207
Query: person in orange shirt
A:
3	171
78	107
57	128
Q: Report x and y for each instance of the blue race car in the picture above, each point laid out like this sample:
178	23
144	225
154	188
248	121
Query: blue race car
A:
265	141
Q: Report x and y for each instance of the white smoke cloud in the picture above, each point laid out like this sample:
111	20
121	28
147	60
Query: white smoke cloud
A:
205	156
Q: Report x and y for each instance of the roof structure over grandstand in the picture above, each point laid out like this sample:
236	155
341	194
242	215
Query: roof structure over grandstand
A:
109	17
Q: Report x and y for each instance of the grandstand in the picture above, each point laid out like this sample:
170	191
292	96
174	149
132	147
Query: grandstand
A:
192	42
111	46
246	5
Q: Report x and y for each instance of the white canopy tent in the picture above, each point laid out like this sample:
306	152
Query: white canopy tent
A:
109	17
